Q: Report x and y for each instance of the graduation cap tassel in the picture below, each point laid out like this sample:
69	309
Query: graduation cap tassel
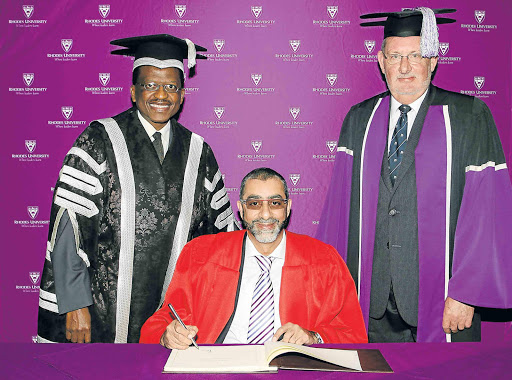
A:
429	33
191	58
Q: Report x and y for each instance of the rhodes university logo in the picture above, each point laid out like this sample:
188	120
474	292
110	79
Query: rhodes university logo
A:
104	10
219	111
256	145
256	11
219	45
444	47
295	178
30	145
33	211
180	10
479	16
479	82
369	46
34	277
331	79
66	44
104	78
332	11
331	145
295	111
66	112
295	45
256	79
28	78
28	10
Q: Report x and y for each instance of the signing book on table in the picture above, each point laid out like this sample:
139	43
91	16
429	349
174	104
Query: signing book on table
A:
267	358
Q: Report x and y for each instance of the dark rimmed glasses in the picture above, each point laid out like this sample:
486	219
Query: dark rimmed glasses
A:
257	204
169	88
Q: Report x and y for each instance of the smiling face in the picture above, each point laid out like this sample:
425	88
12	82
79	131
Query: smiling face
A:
406	81
265	225
157	107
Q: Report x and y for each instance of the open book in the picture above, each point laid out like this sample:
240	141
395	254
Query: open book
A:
271	356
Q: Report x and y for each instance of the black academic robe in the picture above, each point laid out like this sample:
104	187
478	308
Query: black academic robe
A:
447	212
131	216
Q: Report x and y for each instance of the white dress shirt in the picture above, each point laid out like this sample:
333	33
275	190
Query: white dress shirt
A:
150	130
251	271
394	114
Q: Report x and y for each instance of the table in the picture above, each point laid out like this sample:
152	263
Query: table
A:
141	361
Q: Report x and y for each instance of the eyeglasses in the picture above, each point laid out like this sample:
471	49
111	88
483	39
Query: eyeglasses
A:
414	58
257	204
169	88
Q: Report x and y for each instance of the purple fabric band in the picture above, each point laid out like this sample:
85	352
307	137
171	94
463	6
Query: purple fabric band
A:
431	160
334	229
371	163
482	257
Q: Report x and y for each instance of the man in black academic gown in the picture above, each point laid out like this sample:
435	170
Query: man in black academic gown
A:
133	190
414	195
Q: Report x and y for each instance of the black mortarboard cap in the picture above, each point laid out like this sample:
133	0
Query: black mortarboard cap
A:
413	22
159	50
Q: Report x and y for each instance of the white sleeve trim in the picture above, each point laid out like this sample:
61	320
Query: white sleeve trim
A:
219	199
225	218
48	306
40	339
80	180
98	168
210	186
47	296
346	150
75	202
84	257
490	164
49	250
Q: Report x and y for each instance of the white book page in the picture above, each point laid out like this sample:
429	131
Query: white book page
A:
344	358
244	358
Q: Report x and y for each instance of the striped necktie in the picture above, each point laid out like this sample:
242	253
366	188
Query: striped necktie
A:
398	143
157	143
261	320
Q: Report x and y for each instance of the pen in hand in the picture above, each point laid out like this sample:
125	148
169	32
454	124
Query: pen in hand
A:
177	317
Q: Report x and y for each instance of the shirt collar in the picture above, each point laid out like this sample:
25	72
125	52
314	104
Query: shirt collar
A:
278	253
415	106
150	130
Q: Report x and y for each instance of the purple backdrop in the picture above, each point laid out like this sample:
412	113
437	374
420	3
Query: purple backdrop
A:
280	78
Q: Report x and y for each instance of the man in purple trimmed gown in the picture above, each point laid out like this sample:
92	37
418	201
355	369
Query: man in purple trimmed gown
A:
420	198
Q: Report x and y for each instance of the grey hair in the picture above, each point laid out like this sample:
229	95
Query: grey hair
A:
263	174
383	46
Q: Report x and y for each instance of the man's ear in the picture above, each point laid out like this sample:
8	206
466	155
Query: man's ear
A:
380	57
132	93
182	96
433	63
288	208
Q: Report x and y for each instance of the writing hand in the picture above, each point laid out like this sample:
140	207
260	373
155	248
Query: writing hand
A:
177	337
456	316
294	334
78	326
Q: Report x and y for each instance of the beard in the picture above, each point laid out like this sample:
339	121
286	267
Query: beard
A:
267	236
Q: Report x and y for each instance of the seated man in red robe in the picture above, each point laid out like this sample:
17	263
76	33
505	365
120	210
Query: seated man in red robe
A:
259	284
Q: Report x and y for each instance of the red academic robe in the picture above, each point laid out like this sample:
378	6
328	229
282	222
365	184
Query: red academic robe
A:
317	291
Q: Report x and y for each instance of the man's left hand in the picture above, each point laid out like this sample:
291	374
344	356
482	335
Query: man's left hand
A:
456	316
294	334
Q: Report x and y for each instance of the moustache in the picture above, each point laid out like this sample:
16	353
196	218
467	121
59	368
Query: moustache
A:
266	221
